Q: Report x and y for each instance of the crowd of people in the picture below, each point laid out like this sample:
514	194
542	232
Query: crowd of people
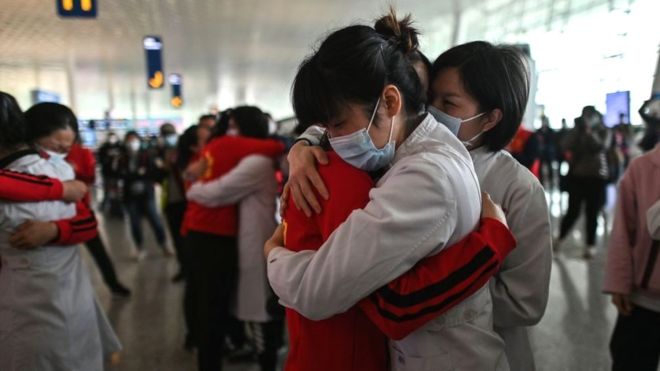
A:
388	255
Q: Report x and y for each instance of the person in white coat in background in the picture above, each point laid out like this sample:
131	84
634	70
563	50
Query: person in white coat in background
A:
253	186
49	316
467	81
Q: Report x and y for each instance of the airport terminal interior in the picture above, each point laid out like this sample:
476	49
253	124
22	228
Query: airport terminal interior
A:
198	131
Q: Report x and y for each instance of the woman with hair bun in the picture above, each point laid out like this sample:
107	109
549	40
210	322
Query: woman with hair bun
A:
361	87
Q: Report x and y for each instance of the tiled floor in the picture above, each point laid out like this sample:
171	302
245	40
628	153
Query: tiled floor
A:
573	335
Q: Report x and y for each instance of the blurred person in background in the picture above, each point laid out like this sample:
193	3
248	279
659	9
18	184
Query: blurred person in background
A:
140	170
525	148
84	165
547	139
632	273
173	197
252	185
584	149
109	154
207	121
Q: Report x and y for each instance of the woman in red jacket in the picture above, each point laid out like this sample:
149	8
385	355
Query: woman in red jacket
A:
210	239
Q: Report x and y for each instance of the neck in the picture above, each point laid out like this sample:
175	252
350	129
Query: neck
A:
404	127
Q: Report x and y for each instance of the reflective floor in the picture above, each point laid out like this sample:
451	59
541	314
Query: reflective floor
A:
573	335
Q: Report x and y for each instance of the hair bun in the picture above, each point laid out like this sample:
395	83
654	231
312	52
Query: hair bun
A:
400	32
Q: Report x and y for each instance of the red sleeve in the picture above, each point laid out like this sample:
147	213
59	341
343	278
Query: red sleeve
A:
251	146
84	164
24	187
81	228
436	284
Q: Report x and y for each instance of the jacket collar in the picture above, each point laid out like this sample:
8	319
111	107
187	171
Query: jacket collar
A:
410	145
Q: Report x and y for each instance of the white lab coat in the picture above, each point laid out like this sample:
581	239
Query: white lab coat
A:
520	289
49	316
252	184
428	199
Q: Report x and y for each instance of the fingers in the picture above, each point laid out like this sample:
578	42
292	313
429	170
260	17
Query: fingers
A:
20	241
627	304
276	240
309	195
299	200
320	155
284	199
622	303
317	182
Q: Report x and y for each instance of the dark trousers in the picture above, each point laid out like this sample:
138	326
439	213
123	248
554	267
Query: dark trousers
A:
211	283
635	343
591	192
174	214
97	249
268	339
546	164
138	208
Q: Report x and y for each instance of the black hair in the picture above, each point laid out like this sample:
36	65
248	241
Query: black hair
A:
207	117
353	65
496	76
43	119
12	127
131	133
221	126
251	121
167	128
186	140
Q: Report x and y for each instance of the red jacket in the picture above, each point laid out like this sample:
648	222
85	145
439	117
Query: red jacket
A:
431	288
347	341
84	165
223	154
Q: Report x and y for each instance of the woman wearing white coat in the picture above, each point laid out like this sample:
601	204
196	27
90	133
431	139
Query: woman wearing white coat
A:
479	77
466	81
49	316
253	186
373	111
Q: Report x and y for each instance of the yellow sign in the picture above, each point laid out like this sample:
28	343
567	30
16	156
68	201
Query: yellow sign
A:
157	81
176	102
77	8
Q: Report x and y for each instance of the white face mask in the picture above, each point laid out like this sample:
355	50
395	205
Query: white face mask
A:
454	124
133	145
232	132
52	155
359	150
113	140
170	140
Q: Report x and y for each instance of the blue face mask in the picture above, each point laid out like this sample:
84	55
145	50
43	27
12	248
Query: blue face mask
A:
454	124
359	150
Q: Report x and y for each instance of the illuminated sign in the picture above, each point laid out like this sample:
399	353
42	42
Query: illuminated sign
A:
39	96
76	8
175	81
153	48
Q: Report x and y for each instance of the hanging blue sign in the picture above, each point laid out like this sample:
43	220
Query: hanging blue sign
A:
175	82
76	8
153	48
